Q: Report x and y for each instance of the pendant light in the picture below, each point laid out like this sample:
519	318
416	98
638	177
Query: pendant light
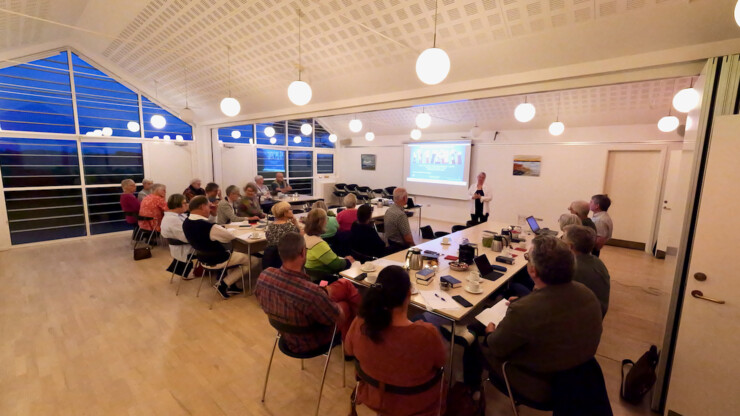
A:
416	134
668	123
524	112
369	136
306	129
133	126
433	65
273	140
107	131
299	92
423	120
236	134
355	125
158	121
557	128
297	139
269	131
230	106
737	13
333	138
186	114
687	99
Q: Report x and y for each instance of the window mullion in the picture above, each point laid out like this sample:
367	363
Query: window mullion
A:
74	96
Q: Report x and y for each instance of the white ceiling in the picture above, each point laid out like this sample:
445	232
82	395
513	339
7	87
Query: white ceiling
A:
352	49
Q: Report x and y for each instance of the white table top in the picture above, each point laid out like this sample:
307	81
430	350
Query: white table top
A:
247	233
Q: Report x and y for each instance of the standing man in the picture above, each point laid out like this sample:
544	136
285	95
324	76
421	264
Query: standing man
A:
581	209
599	205
280	184
146	188
396	223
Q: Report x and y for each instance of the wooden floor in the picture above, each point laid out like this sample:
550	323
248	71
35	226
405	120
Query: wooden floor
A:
88	331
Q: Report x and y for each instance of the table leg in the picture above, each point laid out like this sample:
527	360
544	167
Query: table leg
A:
420	218
452	350
249	273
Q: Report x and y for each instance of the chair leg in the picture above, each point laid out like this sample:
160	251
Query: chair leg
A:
269	364
302	367
344	368
244	286
508	389
326	366
218	283
177	262
201	281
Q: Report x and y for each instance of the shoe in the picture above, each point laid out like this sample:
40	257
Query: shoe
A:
234	289
222	290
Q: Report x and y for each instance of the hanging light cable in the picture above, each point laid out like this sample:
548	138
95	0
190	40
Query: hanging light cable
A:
299	92
230	106
433	65
158	121
186	114
557	128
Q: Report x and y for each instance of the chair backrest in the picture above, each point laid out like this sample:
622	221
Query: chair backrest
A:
280	326
427	233
176	242
410	203
581	391
361	257
271	258
401	390
456	228
351	187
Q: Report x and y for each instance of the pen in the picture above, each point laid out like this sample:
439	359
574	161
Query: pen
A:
443	299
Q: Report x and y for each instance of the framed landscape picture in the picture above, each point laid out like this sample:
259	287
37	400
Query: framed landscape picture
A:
368	162
527	165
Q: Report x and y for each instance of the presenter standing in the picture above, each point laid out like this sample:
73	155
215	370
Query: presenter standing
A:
480	199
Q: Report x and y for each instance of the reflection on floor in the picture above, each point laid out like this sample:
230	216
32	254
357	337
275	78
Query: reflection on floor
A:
86	330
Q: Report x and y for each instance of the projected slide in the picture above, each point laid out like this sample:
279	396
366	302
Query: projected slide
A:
270	160
438	163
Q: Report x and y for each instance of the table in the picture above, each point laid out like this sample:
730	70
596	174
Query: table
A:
378	213
297	200
474	235
244	243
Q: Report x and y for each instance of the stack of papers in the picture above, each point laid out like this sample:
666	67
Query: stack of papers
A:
437	299
494	314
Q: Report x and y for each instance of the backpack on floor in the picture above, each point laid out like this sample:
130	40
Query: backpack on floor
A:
640	378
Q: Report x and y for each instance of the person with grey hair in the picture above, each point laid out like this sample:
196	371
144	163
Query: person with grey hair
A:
174	217
263	191
129	203
249	205
555	328
153	207
480	194
226	212
332	226
348	216
581	209
193	190
590	270
396	223
568	219
280	184
146	188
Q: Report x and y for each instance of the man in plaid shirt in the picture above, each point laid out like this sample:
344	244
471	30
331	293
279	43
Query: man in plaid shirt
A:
288	295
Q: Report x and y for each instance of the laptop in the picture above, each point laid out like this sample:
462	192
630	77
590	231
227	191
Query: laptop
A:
536	227
485	268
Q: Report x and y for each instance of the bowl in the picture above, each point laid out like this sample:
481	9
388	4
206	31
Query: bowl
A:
459	266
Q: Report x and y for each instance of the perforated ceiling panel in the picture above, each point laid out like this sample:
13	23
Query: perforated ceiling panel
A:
631	103
17	31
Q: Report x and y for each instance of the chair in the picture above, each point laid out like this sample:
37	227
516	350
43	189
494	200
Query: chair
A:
351	188
410	203
361	257
428	234
173	242
456	228
282	328
578	391
203	258
271	258
388	191
365	193
378	193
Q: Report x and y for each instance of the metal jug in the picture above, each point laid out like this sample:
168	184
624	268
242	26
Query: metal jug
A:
499	243
413	259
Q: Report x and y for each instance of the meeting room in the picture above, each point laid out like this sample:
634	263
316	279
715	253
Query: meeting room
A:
369	207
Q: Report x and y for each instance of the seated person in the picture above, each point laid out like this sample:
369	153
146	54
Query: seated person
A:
363	237
172	228
396	223
309	303
226	209
284	223
581	209
193	190
321	260
554	328
348	216
213	193
263	191
208	238
590	270
146	189
153	206
568	219
249	205
332	226
391	349
280	184
129	203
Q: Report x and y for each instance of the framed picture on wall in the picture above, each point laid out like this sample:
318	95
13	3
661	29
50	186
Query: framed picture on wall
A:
527	165
368	162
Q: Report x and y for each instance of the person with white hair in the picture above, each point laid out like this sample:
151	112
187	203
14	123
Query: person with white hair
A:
153	206
581	208
146	188
129	203
396	223
568	219
480	194
263	191
193	190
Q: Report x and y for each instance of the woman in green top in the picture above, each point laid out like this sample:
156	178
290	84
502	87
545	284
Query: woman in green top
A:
332	226
320	259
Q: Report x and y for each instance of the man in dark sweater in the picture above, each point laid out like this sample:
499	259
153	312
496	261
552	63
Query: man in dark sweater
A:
590	270
207	238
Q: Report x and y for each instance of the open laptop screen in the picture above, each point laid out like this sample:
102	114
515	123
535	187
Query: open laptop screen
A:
483	265
533	224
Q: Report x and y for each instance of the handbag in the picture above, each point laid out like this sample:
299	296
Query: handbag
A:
141	253
640	378
198	270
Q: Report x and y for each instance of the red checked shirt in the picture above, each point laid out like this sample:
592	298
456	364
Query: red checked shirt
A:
291	298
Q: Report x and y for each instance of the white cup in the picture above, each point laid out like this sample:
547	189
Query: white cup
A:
445	240
474	285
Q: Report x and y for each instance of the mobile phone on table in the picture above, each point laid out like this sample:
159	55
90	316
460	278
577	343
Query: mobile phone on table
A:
360	277
462	301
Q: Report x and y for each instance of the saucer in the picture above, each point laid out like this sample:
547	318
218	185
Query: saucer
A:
467	289
368	267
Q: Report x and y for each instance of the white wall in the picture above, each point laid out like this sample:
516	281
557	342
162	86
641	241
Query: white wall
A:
573	167
169	164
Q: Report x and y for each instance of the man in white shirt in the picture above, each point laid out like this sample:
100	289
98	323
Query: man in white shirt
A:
599	205
208	239
172	228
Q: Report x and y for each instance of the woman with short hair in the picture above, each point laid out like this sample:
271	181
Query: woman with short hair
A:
392	350
348	216
263	191
153	206
249	205
320	259
569	219
332	226
129	203
284	223
193	190
481	195
363	237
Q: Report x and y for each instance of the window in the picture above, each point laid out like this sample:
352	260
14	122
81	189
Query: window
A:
279	133
110	163
237	134
322	137
324	163
102	102
173	127
300	166
294	130
45	215
33	162
270	162
37	96
104	209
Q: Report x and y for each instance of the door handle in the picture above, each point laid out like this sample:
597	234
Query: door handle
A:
666	208
699	295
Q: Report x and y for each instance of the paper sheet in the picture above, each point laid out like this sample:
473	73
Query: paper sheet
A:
493	314
437	299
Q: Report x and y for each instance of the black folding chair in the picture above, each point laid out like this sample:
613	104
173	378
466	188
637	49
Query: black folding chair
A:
203	258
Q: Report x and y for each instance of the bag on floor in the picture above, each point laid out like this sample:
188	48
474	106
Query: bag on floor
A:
180	268
640	378
143	252
198	270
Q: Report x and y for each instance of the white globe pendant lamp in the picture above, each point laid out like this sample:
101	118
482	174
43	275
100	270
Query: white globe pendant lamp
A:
296	139
556	128
273	140
179	138
306	129
686	100
737	13
236	134
423	120
333	138
299	92
158	121
107	131
416	134
668	124
355	125
269	131
133	126
167	137
369	136
433	65
230	106
524	112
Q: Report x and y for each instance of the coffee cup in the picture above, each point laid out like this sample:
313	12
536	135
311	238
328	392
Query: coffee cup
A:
445	240
474	285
